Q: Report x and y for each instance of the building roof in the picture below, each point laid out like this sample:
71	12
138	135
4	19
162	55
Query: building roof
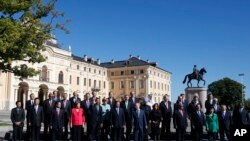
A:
131	62
86	60
52	44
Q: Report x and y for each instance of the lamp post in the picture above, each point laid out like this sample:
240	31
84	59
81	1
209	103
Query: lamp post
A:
242	75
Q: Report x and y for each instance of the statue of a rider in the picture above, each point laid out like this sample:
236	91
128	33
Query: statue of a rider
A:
195	72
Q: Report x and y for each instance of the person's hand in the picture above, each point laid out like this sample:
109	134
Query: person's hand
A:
83	125
29	124
42	124
146	127
101	125
71	125
50	127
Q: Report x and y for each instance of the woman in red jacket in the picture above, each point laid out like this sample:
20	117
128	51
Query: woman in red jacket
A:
77	119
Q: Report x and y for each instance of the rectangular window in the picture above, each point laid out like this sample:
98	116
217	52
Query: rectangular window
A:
121	84
132	85
94	70
122	72
100	84
141	84
84	68
141	71
99	72
104	85
89	82
151	84
155	85
112	73
77	67
159	85
89	69
84	81
132	72
94	83
78	80
112	85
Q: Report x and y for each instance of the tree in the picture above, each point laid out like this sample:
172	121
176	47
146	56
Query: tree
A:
25	25
227	91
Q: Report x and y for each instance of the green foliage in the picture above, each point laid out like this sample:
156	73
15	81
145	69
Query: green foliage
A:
227	91
25	25
247	104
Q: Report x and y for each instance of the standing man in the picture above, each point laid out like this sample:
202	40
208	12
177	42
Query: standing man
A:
241	117
184	102
66	107
57	121
74	99
166	111
56	96
216	106
149	100
117	122
209	103
48	106
92	99
36	119
17	119
96	120
180	122
127	106
111	100
140	122
198	121
86	103
28	106
132	98
225	123
106	115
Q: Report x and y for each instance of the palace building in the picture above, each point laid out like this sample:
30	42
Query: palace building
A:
66	73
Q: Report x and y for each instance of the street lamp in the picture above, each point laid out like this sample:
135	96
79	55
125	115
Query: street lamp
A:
242	75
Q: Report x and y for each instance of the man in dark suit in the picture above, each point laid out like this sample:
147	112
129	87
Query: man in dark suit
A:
66	107
180	122
96	119
117	121
92	99
36	119
166	111
132	98
225	123
57	121
127	107
140	122
111	100
198	120
74	99
209	103
56	96
17	119
184	102
176	105
48	106
241	117
28	106
86	103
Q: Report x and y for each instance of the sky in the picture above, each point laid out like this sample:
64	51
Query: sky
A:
176	34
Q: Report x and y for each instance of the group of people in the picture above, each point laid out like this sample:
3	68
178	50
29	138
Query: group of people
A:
116	119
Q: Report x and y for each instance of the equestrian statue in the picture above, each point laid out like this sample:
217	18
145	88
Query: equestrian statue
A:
197	75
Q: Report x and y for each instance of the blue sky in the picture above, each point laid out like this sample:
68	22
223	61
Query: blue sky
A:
214	34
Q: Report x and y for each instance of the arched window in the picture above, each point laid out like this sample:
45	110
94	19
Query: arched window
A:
60	77
44	74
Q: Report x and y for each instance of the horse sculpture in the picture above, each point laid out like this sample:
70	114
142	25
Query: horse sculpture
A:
192	76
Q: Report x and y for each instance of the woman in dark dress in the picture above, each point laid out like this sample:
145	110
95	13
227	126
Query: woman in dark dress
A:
155	119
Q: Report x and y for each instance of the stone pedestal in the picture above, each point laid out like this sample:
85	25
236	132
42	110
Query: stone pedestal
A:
200	91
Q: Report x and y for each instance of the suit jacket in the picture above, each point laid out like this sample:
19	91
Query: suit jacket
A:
47	108
28	107
209	105
57	121
66	108
241	118
192	108
133	101
73	101
17	116
96	116
180	121
127	110
36	118
198	121
226	121
111	102
92	99
86	108
166	112
141	121
117	120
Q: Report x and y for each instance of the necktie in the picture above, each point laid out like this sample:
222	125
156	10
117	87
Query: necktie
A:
31	102
58	113
166	105
64	103
87	103
36	109
50	103
97	108
17	110
138	112
126	104
117	111
223	115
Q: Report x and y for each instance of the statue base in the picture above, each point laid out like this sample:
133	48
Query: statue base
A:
200	91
